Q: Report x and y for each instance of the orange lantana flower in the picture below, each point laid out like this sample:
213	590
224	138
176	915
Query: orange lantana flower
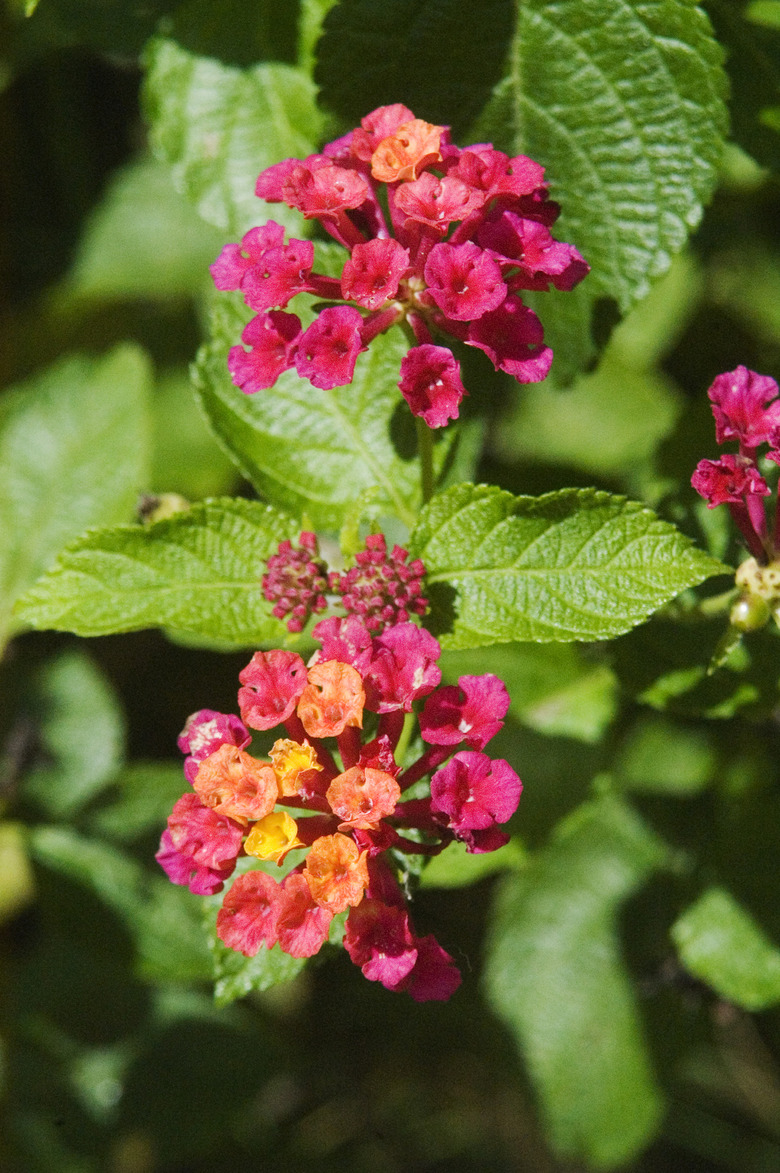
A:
361	797
333	699
336	872
235	784
403	155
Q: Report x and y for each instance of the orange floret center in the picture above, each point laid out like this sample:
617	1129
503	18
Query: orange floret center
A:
336	872
332	699
273	836
406	153
361	797
236	785
291	759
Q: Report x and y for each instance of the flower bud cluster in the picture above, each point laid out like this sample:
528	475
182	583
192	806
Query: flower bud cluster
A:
381	589
440	238
334	790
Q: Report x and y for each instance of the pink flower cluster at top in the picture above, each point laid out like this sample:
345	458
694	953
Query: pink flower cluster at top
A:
348	798
441	238
381	588
747	410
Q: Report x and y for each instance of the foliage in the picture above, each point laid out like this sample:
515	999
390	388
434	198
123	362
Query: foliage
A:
621	955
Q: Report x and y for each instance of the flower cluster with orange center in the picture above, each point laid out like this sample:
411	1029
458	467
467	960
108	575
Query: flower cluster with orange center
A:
342	803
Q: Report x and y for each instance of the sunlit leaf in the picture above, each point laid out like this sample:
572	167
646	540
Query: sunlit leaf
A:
314	451
576	564
219	127
74	448
198	572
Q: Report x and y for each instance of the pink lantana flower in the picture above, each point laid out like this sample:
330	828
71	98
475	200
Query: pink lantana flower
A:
441	240
333	766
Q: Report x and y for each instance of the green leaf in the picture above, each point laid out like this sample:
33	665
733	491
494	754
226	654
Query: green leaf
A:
185	458
555	976
18	888
720	943
552	688
611	421
665	665
198	572
622	101
143	240
751	38
456	867
661	756
74	446
238	32
575	564
163	918
111	26
219	127
80	733
236	975
439	57
312	14
314	451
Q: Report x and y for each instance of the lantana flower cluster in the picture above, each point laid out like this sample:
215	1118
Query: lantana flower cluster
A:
746	408
332	787
440	238
382	588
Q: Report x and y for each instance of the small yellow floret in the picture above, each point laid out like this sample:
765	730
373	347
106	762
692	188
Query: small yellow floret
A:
290	759
272	837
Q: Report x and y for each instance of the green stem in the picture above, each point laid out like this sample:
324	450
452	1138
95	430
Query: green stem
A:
403	741
425	450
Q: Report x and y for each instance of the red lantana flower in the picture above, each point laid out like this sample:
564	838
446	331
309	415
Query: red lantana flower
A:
348	798
442	239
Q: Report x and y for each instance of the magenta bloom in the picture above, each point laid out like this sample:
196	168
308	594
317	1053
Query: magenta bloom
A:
273	339
745	407
464	280
403	668
379	939
730	479
431	385
437	237
372	273
347	640
328	349
435	977
511	337
472	711
268	272
472	793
